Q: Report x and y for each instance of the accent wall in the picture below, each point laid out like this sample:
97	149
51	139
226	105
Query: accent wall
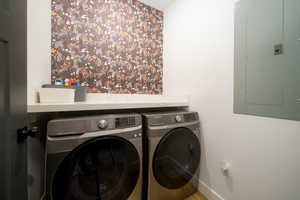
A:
112	46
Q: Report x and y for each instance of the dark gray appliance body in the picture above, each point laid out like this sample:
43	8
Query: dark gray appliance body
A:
98	157
173	141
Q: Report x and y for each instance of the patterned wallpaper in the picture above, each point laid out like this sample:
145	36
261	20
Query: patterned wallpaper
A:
112	46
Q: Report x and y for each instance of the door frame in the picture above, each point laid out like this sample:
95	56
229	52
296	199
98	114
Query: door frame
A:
13	31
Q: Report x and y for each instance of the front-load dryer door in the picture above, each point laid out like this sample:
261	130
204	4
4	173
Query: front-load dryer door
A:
105	168
176	158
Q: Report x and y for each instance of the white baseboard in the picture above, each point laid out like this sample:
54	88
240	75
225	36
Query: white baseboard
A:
209	192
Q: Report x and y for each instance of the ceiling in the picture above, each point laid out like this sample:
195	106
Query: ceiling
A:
159	4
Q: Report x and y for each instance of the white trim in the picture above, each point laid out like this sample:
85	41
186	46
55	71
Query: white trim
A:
208	192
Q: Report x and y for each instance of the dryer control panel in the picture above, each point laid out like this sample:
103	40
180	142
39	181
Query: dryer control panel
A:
171	118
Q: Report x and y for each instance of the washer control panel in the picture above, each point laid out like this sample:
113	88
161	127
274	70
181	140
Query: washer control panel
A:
94	123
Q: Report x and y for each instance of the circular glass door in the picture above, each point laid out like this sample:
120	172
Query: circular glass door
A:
176	158
105	168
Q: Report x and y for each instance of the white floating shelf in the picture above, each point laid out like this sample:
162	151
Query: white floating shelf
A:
112	102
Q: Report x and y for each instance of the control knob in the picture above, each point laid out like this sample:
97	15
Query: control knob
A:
102	124
178	118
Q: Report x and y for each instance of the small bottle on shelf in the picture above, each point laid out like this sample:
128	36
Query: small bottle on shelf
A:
67	82
58	82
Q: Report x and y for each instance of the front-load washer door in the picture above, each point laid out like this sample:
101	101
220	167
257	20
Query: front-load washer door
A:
105	168
176	158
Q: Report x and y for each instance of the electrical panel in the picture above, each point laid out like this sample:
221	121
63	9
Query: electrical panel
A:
267	58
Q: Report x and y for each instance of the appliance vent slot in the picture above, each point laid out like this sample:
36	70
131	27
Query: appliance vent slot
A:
125	122
189	117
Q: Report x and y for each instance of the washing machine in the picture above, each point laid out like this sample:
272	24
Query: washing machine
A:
94	158
174	152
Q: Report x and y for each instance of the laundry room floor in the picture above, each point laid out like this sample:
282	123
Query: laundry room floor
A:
197	196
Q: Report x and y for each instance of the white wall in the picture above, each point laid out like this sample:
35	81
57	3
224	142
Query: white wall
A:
39	46
264	153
